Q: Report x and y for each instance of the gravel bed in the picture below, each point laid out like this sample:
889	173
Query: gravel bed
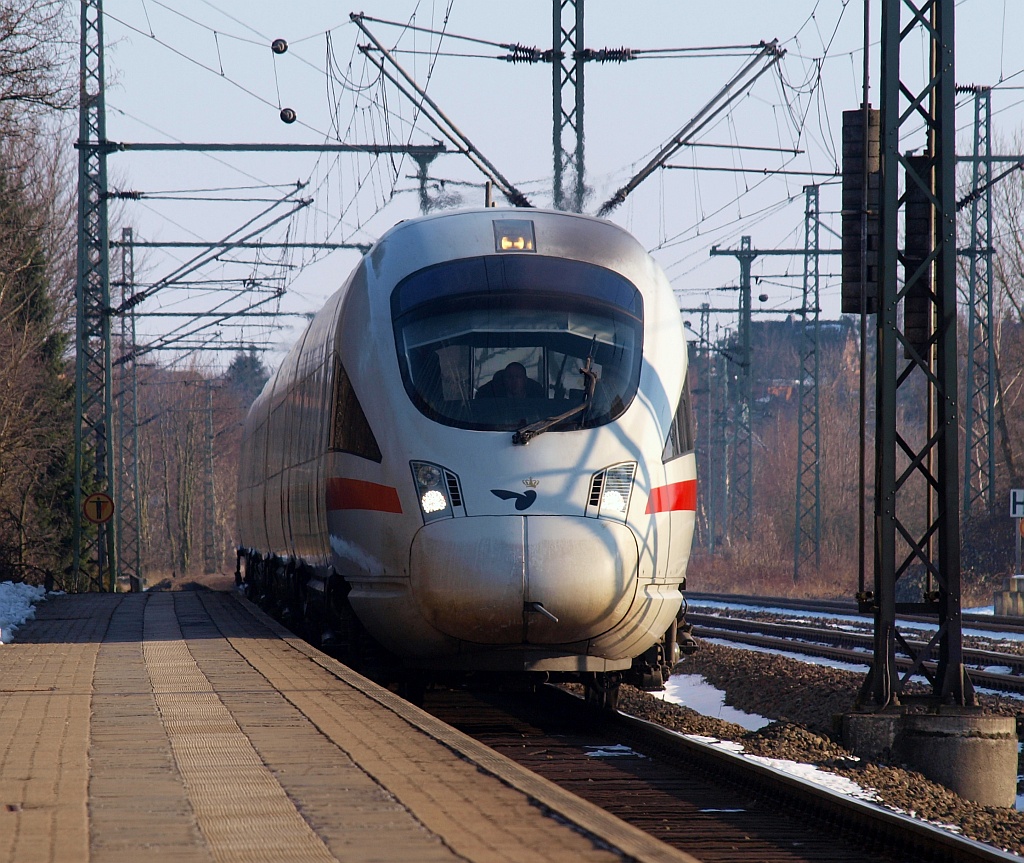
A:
803	701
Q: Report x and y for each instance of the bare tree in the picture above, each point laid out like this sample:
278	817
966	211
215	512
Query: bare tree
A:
37	76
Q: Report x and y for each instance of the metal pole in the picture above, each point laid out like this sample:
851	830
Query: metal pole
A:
211	559
129	499
711	488
743	450
863	404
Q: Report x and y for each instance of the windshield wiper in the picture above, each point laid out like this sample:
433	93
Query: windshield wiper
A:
528	432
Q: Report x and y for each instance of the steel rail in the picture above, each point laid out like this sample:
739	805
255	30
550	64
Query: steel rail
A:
841	638
989	679
988	622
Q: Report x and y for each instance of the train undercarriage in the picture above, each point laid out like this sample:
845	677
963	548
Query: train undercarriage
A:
313	603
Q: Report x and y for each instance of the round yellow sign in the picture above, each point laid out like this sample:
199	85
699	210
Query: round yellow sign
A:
98	507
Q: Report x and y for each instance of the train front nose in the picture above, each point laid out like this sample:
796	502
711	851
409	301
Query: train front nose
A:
480	579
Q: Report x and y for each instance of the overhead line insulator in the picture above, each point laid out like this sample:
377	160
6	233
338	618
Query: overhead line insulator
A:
606	55
526	54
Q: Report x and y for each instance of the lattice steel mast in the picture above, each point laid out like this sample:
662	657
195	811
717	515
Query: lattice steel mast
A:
979	440
917	479
711	444
128	499
567	64
741	469
94	563
807	524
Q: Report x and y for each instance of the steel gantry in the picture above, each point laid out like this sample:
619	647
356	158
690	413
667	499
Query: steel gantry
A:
94	560
916	477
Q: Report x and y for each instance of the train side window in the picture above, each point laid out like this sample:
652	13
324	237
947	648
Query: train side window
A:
680	433
350	431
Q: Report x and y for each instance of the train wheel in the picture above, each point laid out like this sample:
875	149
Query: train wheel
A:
602	690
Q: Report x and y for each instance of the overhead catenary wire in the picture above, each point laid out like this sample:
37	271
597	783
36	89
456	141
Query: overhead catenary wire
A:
769	54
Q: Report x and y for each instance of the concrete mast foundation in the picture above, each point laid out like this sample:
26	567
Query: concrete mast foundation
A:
972	754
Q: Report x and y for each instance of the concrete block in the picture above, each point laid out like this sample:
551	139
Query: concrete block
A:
871	736
971	754
1010	600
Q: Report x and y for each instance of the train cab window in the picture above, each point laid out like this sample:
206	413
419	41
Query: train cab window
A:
350	432
495	343
680	433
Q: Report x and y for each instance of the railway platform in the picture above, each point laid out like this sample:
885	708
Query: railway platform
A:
189	726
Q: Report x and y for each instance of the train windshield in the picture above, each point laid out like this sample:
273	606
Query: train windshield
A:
500	342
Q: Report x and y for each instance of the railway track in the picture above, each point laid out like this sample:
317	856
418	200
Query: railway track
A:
844	644
986	622
849	647
711	803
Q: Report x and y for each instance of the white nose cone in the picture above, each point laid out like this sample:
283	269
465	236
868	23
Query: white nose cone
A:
473	577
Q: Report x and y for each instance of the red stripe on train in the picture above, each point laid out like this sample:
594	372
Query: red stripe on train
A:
345	493
677	496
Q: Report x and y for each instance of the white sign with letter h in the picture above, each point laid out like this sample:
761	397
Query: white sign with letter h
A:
1017	503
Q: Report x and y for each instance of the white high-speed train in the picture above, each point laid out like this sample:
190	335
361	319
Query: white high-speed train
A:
479	455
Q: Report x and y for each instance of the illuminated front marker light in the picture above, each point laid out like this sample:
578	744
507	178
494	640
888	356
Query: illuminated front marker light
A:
433	501
514	235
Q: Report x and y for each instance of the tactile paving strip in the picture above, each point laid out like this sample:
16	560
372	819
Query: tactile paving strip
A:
252	821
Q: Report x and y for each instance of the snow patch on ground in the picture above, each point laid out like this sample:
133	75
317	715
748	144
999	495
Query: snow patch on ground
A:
693	691
839	784
807	772
17	603
616	750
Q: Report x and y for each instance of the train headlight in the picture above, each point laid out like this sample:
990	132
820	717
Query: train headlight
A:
437	490
613	501
433	501
610	490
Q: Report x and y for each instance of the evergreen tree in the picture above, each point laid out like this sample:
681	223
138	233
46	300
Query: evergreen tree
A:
36	399
246	375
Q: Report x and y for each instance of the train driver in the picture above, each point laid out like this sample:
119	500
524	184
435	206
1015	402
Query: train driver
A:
511	382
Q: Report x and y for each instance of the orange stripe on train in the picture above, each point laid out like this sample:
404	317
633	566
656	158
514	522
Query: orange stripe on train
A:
677	496
345	493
